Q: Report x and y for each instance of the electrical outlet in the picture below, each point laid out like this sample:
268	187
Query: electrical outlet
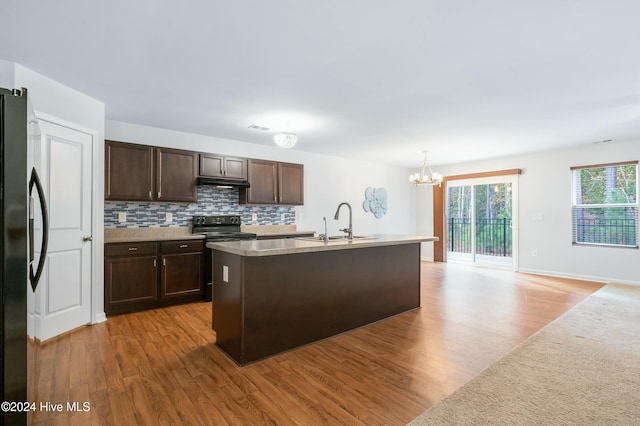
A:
282	216
534	253
254	217
122	217
169	217
225	273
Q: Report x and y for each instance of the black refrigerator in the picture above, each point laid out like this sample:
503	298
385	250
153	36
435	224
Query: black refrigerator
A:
16	250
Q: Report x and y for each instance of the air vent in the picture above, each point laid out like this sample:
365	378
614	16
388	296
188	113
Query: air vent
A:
256	127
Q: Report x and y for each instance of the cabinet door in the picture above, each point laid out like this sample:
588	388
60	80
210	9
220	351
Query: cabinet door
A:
181	275
176	175
235	168
290	183
263	180
211	165
130	281
128	172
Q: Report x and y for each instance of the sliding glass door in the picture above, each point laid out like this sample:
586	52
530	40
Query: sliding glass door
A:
481	220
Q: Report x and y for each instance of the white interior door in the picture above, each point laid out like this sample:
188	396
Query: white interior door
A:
62	300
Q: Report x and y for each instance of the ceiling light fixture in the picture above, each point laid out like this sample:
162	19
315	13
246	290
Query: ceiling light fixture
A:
285	140
426	176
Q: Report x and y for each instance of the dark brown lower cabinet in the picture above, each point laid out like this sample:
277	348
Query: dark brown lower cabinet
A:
182	275
131	281
149	275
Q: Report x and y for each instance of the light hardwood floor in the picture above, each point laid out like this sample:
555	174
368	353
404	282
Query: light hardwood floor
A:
162	367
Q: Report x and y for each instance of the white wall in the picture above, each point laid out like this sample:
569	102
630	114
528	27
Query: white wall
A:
545	188
7	75
56	99
328	180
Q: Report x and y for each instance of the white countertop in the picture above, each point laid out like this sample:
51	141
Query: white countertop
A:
307	245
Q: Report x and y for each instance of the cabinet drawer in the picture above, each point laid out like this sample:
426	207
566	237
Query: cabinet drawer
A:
130	249
182	246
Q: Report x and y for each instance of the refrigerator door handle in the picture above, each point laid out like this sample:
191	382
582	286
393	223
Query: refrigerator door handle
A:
34	278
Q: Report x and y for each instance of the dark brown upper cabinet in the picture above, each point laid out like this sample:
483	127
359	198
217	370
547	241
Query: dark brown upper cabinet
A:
176	175
274	183
212	165
291	183
146	173
129	172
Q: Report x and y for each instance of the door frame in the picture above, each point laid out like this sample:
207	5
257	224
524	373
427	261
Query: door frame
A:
97	314
440	212
473	182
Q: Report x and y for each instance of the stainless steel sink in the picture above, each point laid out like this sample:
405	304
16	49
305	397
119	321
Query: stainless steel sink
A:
336	238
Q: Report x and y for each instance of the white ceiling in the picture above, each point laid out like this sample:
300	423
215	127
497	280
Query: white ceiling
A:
371	79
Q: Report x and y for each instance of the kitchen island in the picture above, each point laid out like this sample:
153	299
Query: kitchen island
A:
270	296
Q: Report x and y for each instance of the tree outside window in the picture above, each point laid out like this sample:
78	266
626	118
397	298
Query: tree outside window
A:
605	205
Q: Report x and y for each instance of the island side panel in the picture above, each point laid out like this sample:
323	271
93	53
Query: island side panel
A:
294	299
227	303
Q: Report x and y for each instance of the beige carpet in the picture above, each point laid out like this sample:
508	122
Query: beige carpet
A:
582	369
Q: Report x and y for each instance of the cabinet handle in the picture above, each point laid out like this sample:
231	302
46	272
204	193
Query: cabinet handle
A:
164	262
133	248
155	263
149	194
158	194
184	245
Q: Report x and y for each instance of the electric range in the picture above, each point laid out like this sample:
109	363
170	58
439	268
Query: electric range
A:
218	228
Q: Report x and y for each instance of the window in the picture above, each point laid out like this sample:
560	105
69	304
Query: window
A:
605	204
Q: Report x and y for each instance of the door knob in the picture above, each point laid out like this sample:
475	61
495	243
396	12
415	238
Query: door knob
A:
87	238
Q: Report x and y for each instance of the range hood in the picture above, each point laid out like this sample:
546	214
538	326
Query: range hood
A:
222	182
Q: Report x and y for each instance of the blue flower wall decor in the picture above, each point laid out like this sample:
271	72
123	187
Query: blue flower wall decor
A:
375	201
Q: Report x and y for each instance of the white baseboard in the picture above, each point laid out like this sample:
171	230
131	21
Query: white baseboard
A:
605	280
101	317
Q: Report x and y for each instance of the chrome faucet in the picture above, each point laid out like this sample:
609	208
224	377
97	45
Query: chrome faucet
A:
325	236
348	230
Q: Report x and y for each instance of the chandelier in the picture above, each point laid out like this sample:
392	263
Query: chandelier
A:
285	140
426	176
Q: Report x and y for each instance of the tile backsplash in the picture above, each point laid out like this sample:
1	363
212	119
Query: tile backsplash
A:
211	201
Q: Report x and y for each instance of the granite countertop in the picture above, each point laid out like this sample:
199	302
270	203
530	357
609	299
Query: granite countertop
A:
306	245
131	235
273	230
